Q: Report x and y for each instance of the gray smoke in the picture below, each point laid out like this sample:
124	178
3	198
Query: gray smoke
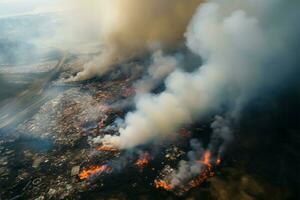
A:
222	135
249	49
188	169
191	168
161	66
130	28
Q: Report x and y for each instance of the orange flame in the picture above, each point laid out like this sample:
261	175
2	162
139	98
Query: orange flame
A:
107	148
163	184
206	158
87	173
143	161
206	173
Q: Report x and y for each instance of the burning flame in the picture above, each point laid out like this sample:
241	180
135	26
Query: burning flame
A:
163	184
206	173
206	159
93	170
143	161
107	148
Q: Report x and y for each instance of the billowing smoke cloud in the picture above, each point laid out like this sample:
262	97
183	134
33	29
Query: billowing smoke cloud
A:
160	68
127	28
249	48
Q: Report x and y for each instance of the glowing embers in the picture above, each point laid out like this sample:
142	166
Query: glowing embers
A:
143	161
94	171
163	184
204	175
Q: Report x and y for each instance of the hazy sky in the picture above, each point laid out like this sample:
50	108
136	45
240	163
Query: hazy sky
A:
23	7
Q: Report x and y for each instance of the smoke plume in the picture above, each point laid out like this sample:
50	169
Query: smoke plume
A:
127	28
159	69
189	169
248	50
221	136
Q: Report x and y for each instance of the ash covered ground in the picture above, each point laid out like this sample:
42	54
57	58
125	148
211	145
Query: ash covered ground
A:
48	152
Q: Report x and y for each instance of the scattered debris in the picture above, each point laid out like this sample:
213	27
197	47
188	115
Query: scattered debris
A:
36	162
75	170
174	153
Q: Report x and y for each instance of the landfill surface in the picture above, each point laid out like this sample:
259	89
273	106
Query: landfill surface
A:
44	152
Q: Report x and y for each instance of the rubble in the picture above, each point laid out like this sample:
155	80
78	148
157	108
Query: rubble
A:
75	171
51	192
36	162
174	153
40	198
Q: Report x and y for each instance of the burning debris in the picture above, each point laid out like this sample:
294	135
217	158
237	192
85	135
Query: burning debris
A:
94	171
113	126
162	184
75	121
79	115
206	159
190	174
143	161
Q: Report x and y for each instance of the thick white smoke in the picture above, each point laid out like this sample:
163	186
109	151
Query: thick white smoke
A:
248	49
129	28
161	66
